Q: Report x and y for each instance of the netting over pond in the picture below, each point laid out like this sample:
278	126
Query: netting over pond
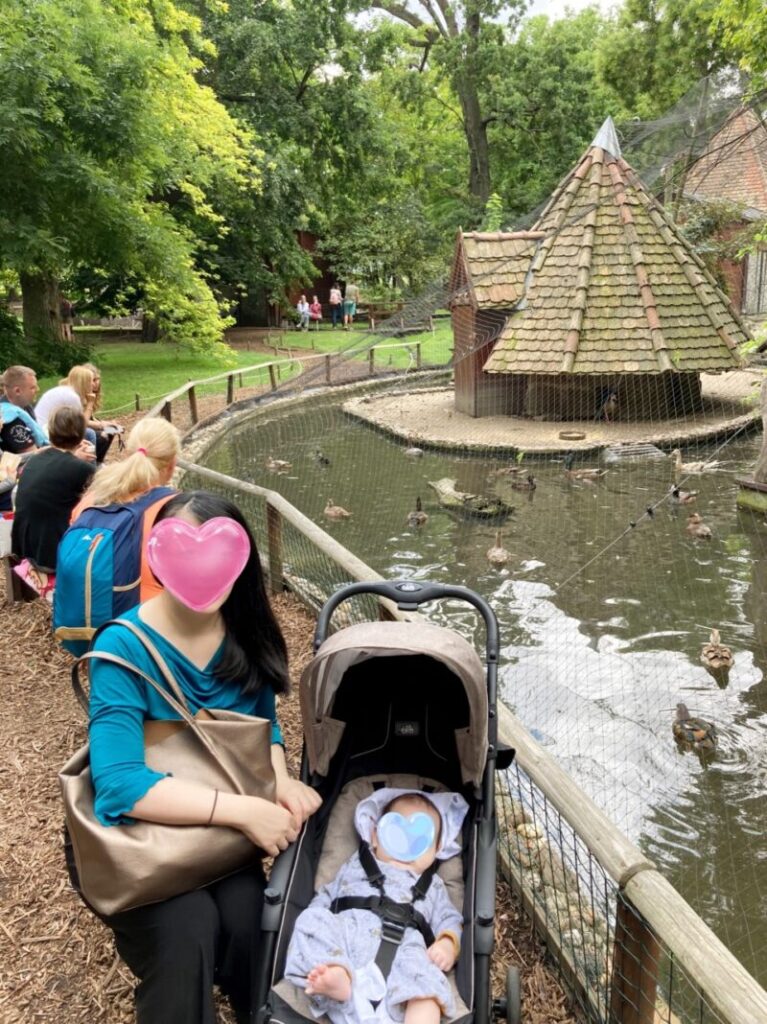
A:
568	400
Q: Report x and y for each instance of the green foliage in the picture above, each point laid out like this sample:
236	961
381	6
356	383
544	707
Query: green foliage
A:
550	102
493	213
112	149
743	27
41	354
659	49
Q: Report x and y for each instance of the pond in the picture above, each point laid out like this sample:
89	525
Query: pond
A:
602	625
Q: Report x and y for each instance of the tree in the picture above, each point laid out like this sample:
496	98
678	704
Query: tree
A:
549	103
463	41
743	27
111	151
660	49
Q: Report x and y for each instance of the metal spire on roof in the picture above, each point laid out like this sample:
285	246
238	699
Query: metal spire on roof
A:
607	139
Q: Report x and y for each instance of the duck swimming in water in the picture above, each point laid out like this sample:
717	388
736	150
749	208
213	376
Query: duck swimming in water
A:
498	555
716	656
418	517
693	733
697	528
335	511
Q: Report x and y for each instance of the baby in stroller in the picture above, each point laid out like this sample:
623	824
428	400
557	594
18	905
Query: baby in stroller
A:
339	951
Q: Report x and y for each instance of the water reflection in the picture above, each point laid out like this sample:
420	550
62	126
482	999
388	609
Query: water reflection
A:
602	625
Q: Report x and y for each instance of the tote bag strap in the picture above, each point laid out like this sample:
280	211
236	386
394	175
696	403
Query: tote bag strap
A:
180	709
179	705
151	650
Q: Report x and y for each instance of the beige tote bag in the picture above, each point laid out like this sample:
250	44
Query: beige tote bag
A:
126	866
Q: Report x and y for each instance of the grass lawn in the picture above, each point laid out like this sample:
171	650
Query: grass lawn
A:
435	347
131	368
151	371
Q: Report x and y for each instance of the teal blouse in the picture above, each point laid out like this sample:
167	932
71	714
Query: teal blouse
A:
120	702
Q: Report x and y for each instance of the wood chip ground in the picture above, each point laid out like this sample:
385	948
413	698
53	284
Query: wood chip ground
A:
57	962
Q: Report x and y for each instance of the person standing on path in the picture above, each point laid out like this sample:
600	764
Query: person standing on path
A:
351	298
336	305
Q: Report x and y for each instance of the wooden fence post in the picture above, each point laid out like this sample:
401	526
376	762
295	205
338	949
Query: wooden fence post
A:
372	360
272	377
138	403
418	359
327	368
274	546
193	404
230	389
166	412
634	982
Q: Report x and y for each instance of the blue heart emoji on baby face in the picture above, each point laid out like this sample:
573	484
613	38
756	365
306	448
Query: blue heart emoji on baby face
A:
404	838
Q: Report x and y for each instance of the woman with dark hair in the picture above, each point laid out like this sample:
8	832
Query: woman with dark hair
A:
228	655
50	485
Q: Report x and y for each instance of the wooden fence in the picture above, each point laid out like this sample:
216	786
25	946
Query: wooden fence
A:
651	918
234	380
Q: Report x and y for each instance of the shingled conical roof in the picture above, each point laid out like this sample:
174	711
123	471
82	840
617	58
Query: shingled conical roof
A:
613	287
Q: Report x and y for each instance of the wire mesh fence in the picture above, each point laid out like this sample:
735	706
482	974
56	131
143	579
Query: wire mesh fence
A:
589	414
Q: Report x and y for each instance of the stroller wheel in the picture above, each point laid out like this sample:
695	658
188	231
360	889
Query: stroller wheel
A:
513	996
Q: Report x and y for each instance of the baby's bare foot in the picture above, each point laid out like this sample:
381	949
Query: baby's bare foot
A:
329	980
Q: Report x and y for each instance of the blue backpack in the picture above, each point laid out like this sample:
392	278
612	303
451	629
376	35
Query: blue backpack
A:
100	567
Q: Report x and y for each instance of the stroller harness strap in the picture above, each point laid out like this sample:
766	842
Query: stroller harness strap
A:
396	918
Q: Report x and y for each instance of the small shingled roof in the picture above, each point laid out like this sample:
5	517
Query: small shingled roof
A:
613	288
734	165
490	267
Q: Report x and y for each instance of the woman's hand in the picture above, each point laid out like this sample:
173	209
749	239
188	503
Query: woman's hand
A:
302	801
268	826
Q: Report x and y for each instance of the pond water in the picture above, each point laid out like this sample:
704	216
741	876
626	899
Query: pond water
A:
601	623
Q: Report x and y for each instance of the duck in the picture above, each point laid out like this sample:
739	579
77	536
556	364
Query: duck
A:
320	458
693	733
524	485
333	511
586	473
697	528
681	497
715	655
278	465
508	471
682	468
498	555
608	407
418	517
414	453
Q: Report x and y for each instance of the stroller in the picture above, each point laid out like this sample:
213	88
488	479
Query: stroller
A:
408	705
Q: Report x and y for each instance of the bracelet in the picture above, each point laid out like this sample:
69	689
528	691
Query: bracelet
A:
213	808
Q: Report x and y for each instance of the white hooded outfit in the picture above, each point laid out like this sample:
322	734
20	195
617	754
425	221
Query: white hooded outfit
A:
351	938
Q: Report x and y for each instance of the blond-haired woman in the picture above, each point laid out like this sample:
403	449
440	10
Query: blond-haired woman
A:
151	451
105	430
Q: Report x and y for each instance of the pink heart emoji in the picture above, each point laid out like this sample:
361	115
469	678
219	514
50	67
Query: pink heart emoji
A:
197	564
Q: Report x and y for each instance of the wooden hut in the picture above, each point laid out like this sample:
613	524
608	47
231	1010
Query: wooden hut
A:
733	169
602	297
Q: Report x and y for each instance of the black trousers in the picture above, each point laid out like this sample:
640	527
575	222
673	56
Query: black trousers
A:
179	948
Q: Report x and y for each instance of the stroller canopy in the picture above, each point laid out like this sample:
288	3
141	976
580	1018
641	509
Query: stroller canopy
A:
322	677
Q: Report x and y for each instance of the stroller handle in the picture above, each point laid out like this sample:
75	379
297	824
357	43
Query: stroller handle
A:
408	595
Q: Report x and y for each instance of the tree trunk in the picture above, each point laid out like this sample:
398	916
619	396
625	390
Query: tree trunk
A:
476	138
150	328
41	301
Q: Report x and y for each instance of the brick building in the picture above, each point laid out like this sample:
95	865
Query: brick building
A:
733	169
